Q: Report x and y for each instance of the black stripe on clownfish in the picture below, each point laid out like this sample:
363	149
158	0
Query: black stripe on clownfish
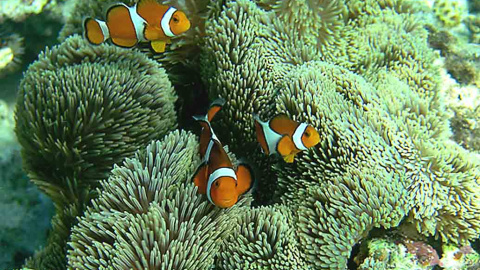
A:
146	21
284	136
216	176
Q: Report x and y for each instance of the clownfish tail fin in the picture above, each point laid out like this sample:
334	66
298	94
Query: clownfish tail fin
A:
201	118
215	106
95	31
218	102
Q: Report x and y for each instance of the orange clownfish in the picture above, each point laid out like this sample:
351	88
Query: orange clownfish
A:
284	136
146	21
215	176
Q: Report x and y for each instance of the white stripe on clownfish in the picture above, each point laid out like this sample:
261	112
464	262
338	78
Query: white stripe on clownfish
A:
297	136
138	23
271	137
220	172
208	151
165	22
104	28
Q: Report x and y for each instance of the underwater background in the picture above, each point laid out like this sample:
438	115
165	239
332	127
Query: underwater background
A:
98	145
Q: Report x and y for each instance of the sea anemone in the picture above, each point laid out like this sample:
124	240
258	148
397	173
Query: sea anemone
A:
83	108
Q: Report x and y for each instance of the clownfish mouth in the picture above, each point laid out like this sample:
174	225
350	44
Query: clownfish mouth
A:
227	203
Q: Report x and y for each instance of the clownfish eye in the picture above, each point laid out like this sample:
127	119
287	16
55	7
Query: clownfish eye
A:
217	184
175	19
307	133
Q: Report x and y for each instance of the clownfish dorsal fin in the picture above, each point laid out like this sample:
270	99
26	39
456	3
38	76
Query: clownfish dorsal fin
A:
286	148
245	178
282	124
215	107
151	11
200	178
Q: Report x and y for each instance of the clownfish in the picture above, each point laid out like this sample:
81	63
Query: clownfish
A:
146	21
215	176
284	136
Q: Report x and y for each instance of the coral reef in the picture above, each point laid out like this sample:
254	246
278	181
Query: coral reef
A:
474	5
150	216
466	125
464	65
460	80
21	203
393	253
387	254
459	258
7	124
18	10
450	12
464	102
461	59
473	24
11	51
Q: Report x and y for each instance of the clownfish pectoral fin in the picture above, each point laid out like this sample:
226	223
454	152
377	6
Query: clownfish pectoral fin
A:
95	31
245	178
158	46
200	178
152	33
282	124
289	158
286	148
215	106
